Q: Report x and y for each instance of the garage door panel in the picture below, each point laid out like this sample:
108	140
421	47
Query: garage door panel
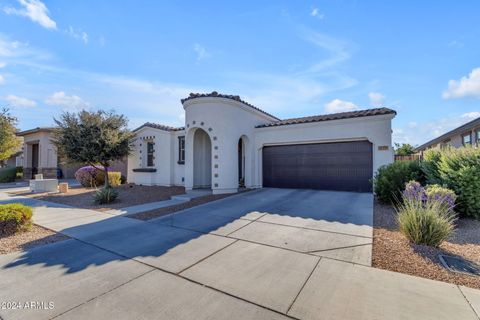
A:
344	166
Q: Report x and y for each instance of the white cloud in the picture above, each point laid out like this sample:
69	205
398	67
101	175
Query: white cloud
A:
317	14
338	105
3	65
471	115
419	133
201	52
77	34
377	99
35	10
466	86
2	79
16	101
336	49
70	103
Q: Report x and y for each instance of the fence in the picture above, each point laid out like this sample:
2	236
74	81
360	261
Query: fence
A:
408	158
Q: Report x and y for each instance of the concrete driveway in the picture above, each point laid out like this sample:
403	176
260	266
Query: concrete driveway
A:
266	254
324	223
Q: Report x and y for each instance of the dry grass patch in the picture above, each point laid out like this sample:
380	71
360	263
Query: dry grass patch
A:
35	236
392	251
128	195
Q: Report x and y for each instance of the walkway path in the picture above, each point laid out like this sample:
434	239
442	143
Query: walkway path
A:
121	268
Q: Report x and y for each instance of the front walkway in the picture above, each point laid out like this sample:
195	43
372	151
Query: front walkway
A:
239	258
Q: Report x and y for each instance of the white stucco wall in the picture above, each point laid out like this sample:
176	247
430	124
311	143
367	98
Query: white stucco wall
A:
225	121
168	172
47	155
376	129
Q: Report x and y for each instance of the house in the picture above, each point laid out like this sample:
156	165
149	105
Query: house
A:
467	134
40	156
227	143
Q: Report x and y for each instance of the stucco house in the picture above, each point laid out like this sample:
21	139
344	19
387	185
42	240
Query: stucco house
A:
467	134
227	143
40	156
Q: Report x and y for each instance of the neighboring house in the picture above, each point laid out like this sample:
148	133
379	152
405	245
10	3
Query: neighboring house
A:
228	143
40	156
467	134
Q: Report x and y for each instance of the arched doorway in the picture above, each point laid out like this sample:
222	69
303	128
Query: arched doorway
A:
241	163
202	160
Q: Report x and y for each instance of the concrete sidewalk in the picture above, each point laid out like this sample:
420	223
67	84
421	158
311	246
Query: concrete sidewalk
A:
122	268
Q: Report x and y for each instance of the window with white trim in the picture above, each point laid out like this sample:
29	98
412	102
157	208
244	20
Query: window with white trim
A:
150	154
181	150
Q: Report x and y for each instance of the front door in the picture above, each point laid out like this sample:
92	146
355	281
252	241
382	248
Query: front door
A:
34	159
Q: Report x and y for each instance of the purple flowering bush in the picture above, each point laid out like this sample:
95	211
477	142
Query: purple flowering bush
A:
414	191
425	215
432	193
89	176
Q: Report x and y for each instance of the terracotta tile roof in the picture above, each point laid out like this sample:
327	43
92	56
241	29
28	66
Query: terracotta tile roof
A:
333	116
226	96
159	126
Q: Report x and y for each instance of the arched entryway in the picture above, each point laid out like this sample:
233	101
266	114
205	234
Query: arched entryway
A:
202	160
241	161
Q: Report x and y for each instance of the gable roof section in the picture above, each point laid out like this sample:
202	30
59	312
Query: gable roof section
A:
35	130
333	116
226	96
459	130
158	126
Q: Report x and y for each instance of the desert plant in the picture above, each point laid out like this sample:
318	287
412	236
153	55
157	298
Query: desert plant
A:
14	217
90	176
9	142
114	178
425	222
8	174
444	195
390	180
459	170
414	190
105	195
93	137
431	159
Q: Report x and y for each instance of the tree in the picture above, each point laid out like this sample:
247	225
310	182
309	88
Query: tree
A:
404	149
96	138
9	142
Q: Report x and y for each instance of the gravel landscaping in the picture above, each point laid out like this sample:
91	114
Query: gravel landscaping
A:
392	251
35	236
128	195
147	215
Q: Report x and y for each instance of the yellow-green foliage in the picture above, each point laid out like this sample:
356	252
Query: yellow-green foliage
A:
14	217
459	170
114	178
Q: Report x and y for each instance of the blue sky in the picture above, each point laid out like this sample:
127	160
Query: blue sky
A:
290	58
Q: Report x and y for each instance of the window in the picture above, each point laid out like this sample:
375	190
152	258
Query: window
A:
181	150
467	139
150	154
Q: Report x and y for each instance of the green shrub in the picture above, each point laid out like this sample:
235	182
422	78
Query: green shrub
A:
434	192
114	178
459	170
429	166
8	174
390	180
105	195
425	222
14	217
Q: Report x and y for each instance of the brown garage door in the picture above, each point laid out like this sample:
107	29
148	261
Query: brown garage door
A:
342	166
